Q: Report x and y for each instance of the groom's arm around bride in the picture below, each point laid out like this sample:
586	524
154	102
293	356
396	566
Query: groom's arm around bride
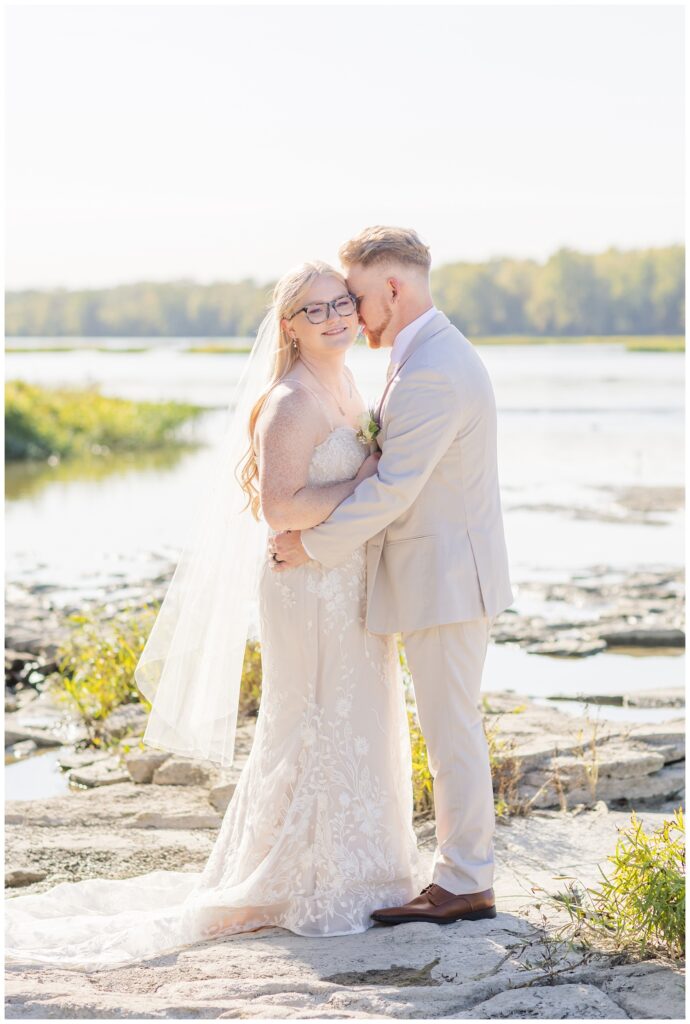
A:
437	567
432	513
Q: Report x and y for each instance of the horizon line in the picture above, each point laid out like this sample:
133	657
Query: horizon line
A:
267	282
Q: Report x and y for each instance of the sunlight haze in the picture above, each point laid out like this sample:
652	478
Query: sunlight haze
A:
229	142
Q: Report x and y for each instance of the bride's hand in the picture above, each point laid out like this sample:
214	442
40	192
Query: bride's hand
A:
369	467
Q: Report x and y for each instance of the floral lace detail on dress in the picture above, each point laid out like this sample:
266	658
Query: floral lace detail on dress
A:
318	833
341	815
337	458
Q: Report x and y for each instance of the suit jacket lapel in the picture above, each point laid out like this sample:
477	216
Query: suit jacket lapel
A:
436	324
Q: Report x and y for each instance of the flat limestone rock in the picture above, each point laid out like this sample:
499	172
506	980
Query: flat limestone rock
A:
668	737
519	719
567	647
646	991
126	719
45	720
670	696
224	786
20	750
221	795
110	807
535	751
152	819
644	638
660	785
612	761
64	854
42	738
65	857
142	764
100	773
23	876
557	1002
180	771
80	759
414	971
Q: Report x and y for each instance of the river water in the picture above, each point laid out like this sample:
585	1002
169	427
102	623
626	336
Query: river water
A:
578	426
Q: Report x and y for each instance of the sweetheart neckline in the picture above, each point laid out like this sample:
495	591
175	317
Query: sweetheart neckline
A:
343	426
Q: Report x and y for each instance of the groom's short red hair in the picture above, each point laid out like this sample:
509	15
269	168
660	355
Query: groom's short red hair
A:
385	245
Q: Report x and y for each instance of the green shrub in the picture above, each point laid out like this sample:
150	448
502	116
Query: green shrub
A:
40	422
422	782
640	906
506	771
250	688
96	665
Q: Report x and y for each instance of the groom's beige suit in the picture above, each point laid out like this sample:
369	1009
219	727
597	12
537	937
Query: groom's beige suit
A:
437	571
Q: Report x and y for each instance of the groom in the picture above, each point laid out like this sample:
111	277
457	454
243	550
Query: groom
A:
437	568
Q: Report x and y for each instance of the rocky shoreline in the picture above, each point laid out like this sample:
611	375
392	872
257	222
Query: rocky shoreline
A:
638	610
569	781
553	759
513	966
589	613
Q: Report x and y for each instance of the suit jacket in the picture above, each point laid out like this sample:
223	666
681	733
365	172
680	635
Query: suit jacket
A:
431	518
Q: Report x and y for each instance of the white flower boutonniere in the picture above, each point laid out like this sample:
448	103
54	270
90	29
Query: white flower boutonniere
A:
369	427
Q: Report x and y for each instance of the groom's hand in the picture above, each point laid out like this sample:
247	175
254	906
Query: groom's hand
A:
287	550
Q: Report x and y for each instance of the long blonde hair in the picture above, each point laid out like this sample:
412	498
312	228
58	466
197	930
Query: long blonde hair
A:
288	295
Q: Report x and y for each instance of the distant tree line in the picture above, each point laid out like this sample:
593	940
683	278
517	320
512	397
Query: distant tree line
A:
572	293
615	292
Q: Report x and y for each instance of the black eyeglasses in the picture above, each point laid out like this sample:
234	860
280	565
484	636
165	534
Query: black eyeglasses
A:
318	312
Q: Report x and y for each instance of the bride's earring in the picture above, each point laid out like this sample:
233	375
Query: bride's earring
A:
294	344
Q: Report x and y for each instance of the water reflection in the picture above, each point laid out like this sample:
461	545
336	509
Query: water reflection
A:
27	479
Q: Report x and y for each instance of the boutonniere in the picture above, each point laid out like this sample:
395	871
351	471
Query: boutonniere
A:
369	427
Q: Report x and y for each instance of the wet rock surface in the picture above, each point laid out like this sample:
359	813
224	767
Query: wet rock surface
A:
642	609
604	606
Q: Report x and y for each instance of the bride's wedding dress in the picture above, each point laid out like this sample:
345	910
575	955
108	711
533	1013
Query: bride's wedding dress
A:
319	831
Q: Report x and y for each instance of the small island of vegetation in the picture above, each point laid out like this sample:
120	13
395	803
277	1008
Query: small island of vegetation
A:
41	423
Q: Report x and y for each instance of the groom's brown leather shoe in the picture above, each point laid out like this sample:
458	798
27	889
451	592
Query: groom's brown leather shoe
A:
441	907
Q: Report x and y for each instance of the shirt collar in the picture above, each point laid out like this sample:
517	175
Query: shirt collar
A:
403	339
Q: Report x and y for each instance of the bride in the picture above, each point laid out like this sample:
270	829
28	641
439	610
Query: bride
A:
319	831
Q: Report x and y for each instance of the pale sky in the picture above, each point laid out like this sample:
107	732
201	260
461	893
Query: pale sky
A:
217	143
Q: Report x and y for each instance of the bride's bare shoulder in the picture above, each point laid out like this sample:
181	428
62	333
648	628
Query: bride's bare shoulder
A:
289	408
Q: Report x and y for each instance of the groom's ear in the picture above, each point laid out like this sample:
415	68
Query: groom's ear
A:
394	286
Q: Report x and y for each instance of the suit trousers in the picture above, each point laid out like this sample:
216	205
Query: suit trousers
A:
446	664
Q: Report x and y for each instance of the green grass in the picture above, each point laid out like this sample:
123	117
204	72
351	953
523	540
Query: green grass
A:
41	422
218	348
672	343
74	348
633	343
211	348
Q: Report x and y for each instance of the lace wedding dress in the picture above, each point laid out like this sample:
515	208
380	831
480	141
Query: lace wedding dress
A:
319	831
